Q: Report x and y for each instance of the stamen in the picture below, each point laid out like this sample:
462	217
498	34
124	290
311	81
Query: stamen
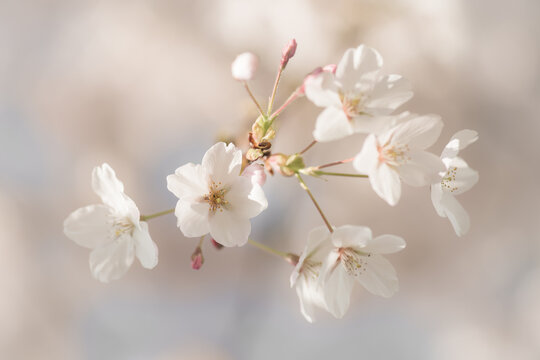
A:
216	197
394	155
354	261
310	269
122	226
352	104
448	181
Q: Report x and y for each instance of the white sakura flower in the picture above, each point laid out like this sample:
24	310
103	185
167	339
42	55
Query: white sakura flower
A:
398	154
306	273
244	66
357	98
112	229
214	198
457	179
357	256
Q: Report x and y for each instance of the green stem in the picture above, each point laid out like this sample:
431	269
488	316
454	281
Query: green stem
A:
341	174
151	216
268	249
273	97
305	187
254	99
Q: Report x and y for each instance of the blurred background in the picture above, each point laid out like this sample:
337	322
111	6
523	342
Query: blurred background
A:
146	87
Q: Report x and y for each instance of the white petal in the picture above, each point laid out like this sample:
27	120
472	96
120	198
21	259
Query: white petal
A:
385	181
229	230
357	66
436	197
246	199
421	169
379	276
456	214
351	236
318	246
189	179
419	133
112	261
463	177
321	90
458	142
146	249
310	296
385	244
367	159
111	191
389	93
332	124
367	124
89	226
337	290
222	162
192	217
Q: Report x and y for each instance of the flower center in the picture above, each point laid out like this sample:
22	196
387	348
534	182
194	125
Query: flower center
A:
448	181
122	226
216	197
310	269
354	261
351	104
394	155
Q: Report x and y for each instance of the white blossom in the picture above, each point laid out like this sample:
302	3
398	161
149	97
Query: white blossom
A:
306	273
357	98
457	179
112	230
214	198
357	256
398	154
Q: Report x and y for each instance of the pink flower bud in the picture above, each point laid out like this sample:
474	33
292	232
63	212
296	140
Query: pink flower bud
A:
256	173
244	66
288	52
216	244
331	68
197	259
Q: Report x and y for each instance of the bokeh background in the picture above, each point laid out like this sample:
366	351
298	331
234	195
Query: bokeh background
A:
146	87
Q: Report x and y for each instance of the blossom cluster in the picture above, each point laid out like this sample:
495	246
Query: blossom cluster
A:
218	197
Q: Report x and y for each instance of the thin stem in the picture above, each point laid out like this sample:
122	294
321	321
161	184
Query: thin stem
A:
268	249
341	174
273	97
335	163
254	99
291	98
151	216
308	147
201	240
305	187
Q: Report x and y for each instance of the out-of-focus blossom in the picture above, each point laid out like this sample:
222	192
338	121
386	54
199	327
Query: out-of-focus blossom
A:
357	256
244	66
331	68
306	273
112	229
398	154
457	179
214	198
357	98
255	172
197	259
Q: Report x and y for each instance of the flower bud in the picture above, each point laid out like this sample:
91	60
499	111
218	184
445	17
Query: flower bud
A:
197	259
256	173
216	244
288	52
244	66
275	162
254	154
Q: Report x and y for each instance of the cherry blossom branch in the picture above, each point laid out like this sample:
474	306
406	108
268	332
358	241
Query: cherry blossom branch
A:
254	99
308	147
268	249
151	216
341	174
334	163
306	188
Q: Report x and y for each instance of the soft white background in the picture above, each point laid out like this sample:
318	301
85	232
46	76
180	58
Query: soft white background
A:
146	87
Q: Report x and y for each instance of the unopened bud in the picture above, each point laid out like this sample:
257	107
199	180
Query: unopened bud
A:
275	162
244	66
216	244
288	52
256	173
197	259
